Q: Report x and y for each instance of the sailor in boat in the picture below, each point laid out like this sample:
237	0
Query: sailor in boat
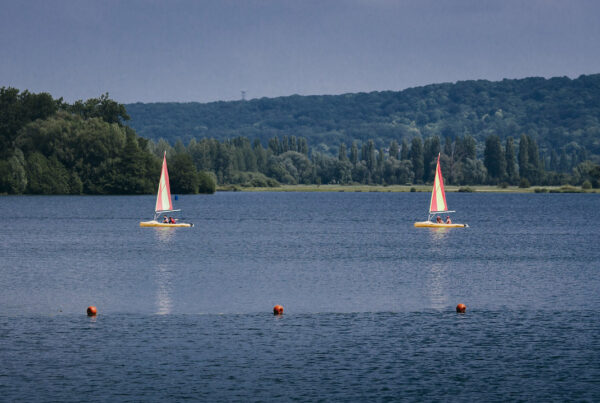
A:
439	220
165	220
448	220
172	220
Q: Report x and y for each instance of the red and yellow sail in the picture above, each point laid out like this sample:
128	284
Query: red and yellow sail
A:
438	195
163	198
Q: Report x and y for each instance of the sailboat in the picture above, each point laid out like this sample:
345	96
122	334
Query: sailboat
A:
163	201
438	203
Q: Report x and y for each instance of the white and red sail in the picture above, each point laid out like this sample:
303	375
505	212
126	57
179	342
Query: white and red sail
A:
438	195
163	198
438	204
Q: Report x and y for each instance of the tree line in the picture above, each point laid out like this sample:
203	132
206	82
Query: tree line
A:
289	160
48	146
52	147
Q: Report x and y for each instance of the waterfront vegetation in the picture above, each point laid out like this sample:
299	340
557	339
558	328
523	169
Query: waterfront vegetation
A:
48	146
406	188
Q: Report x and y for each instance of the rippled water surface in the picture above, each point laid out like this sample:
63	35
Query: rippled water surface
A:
369	299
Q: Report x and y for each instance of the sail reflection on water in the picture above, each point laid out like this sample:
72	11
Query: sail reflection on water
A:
436	286
164	303
165	238
438	234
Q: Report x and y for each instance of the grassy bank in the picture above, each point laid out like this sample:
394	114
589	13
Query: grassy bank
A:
402	188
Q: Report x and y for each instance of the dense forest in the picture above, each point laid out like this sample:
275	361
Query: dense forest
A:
50	147
558	114
289	160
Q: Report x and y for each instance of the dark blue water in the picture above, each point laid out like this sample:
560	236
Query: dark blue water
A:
369	299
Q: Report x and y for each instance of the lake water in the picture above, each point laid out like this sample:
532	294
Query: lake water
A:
369	299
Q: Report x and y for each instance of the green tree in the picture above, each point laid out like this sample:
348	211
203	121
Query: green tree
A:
563	164
354	153
595	177
465	148
371	161
261	156
303	146
448	150
183	175
206	183
285	144
18	109
473	172
103	108
274	146
494	159
533	154
554	161
394	149
13	177
405	152
397	172
46	176
511	166
431	149
530	165
137	169
342	155
416	157
523	156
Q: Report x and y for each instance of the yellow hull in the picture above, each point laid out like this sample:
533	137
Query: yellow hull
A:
429	224
164	225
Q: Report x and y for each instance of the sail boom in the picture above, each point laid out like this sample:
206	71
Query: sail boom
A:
165	211
442	212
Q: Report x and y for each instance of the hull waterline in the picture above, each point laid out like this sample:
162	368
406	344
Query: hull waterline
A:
429	224
164	225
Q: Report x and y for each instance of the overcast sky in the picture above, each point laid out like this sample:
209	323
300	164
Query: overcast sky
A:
180	50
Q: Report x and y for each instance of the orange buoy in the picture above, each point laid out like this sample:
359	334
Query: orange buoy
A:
461	308
277	310
92	311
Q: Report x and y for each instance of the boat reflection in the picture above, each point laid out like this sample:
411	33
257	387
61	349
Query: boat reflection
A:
438	233
165	235
164	303
435	283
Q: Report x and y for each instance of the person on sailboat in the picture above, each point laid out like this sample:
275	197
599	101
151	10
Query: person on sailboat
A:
439	220
448	220
171	220
165	220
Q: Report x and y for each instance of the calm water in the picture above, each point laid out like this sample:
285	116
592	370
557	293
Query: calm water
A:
369	299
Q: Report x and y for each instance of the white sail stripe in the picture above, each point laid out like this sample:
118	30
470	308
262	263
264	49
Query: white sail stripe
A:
166	203
163	201
440	198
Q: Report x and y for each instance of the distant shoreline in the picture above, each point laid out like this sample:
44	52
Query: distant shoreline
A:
376	189
407	188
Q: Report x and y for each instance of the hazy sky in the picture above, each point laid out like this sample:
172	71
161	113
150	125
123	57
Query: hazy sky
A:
180	50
